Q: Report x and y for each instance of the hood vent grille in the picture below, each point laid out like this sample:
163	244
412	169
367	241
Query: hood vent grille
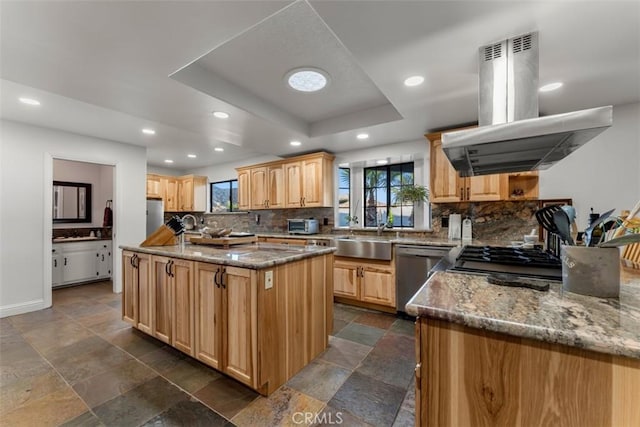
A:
493	52
522	43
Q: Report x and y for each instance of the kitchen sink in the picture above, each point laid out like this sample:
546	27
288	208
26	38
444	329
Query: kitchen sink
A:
363	247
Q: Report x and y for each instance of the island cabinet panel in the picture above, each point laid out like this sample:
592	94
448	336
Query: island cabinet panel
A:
143	265
209	315
136	297
161	298
182	305
467	376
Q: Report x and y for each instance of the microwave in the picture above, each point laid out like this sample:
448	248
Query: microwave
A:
303	226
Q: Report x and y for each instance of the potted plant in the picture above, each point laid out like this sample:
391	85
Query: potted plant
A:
412	193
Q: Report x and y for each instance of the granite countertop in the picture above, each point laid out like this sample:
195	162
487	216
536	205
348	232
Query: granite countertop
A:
609	326
254	256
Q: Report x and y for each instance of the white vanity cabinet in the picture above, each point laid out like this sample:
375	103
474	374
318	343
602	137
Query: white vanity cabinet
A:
75	262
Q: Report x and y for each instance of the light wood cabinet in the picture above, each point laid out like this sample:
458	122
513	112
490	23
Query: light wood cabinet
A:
182	305
447	186
136	290
161	298
155	189
209	315
468	376
179	194
304	181
367	281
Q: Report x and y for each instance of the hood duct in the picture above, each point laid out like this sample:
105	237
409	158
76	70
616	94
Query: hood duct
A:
511	137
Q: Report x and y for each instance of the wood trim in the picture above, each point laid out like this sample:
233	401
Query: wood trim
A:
363	304
321	154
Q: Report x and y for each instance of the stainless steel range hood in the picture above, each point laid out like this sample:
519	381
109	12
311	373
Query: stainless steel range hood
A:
511	137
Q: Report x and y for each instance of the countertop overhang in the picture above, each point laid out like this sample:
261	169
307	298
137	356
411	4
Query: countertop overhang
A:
253	256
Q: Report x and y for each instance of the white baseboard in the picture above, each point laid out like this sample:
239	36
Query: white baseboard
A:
21	308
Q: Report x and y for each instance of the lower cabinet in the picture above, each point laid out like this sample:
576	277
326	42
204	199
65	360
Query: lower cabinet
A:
136	290
77	262
226	310
365	281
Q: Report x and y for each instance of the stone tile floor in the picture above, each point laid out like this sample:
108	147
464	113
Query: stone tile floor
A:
78	364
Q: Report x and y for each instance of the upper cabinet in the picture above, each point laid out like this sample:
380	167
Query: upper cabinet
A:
179	193
447	186
303	181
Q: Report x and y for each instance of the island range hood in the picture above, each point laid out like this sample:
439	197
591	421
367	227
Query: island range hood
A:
510	136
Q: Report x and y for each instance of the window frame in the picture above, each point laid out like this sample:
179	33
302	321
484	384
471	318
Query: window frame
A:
388	188
348	188
230	182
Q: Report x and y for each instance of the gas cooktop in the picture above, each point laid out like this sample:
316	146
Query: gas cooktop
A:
533	263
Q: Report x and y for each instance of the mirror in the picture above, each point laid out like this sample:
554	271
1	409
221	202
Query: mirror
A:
71	202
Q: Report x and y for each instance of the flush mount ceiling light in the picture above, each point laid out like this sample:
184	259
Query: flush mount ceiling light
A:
550	87
307	79
221	114
382	162
219	149
148	131
191	156
414	81
168	161
362	136
295	143
29	101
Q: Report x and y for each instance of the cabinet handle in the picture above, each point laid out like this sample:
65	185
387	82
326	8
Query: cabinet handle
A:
222	276
102	257
215	278
468	192
461	193
55	263
65	260
135	261
171	272
166	268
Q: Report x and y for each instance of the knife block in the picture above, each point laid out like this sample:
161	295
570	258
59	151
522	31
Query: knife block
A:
163	236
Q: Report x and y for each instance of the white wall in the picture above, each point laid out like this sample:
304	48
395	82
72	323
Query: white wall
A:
165	171
26	176
99	176
604	173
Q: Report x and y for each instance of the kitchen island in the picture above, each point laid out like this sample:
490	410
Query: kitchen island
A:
495	355
258	312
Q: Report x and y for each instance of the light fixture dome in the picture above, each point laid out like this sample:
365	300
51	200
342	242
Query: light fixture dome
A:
307	79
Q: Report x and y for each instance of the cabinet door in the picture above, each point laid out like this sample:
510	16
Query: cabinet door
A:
244	190
240	331
129	288
485	187
56	268
378	286
145	293
79	266
446	184
182	332
275	196
171	194
293	184
154	186
258	188
208	314
312	188
161	298
185	194
345	279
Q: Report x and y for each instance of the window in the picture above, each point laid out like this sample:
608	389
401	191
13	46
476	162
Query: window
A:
381	187
224	196
344	196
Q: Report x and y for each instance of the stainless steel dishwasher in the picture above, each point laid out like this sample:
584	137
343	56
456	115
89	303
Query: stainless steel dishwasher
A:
413	264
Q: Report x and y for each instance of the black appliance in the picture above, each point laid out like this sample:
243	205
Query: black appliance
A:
530	263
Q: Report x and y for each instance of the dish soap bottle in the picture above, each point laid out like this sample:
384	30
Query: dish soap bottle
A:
466	229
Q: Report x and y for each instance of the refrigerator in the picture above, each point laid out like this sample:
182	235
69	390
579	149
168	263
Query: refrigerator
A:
155	215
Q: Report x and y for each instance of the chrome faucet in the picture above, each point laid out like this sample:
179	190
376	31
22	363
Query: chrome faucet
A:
381	226
193	218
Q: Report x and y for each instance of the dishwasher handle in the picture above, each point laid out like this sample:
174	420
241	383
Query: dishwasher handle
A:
424	252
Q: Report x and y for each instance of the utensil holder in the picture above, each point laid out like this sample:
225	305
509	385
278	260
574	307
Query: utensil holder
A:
591	271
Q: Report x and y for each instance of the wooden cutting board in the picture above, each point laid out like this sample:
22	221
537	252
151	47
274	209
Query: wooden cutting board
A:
224	242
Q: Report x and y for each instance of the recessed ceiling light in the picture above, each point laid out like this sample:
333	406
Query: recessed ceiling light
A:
191	156
414	81
550	87
149	131
362	136
220	149
307	79
382	162
29	101
295	143
221	114
168	161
